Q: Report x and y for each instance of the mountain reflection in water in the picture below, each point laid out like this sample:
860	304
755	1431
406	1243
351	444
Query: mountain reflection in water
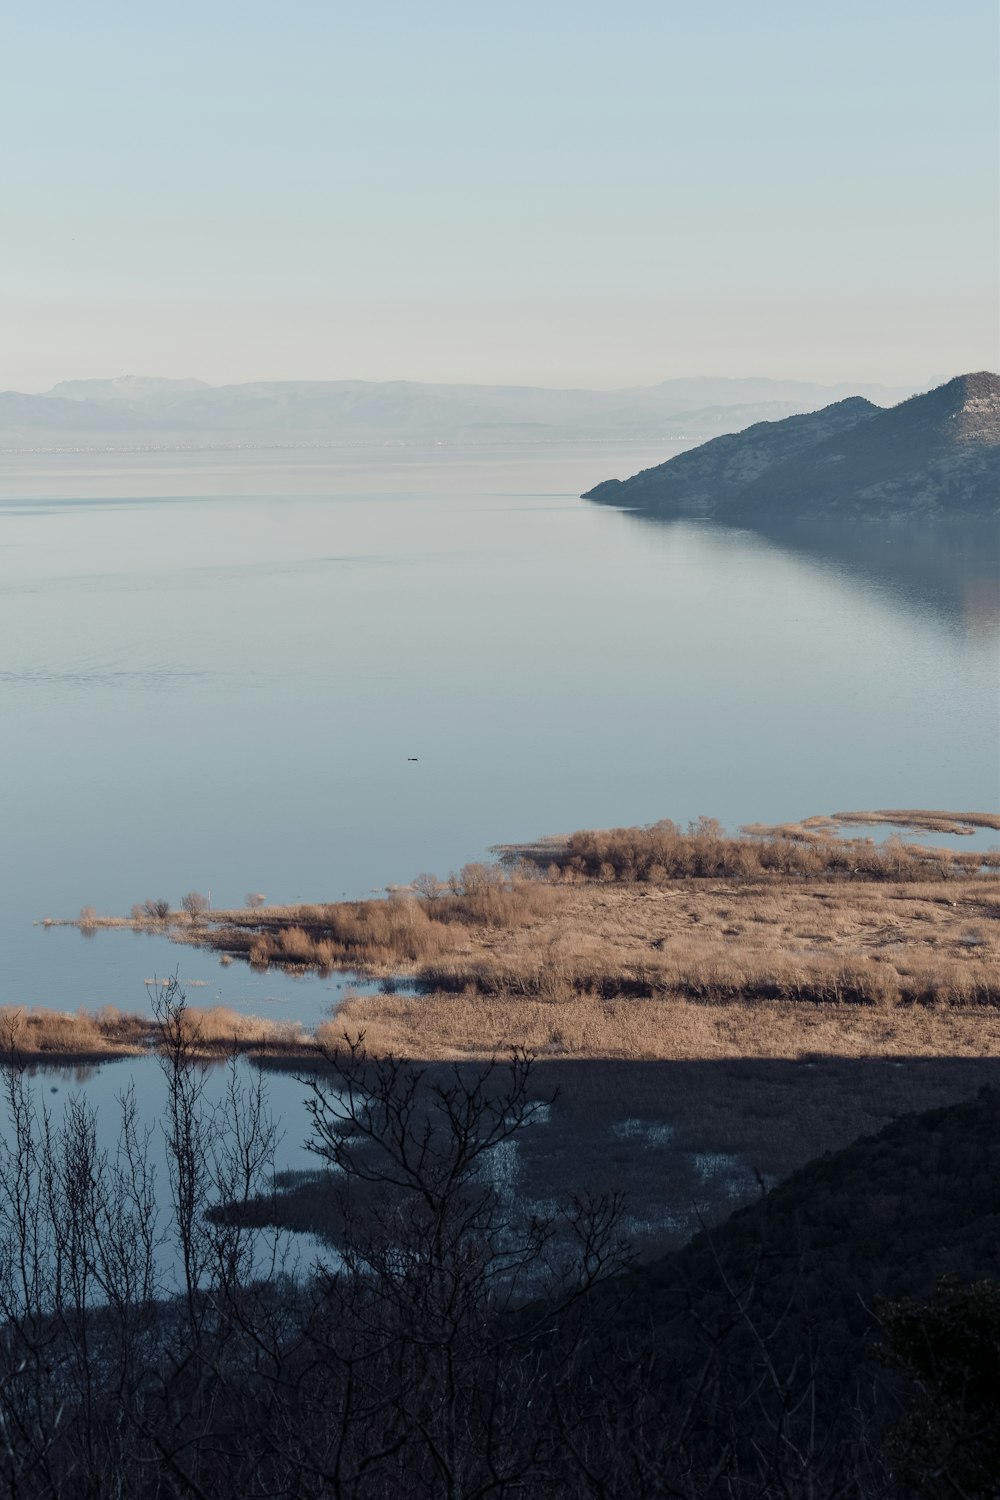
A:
368	671
950	570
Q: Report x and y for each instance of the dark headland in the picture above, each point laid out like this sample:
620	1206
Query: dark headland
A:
933	457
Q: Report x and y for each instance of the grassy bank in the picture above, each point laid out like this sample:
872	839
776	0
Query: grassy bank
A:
37	1037
661	942
470	1026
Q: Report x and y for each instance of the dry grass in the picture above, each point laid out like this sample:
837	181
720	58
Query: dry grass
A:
219	1029
382	935
720	940
930	822
660	943
36	1035
715	968
470	1026
927	821
26	1035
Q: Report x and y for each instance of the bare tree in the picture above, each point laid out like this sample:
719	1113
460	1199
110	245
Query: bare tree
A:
439	1262
195	904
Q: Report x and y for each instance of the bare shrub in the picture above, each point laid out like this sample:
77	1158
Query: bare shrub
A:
195	904
253	899
664	851
295	943
260	953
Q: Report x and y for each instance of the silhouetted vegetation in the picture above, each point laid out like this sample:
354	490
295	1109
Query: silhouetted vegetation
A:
950	1347
827	1275
469	1343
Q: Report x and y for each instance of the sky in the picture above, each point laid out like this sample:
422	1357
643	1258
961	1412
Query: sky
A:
559	192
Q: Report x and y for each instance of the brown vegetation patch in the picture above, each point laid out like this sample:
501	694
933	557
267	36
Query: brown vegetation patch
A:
29	1035
471	1026
825	826
403	931
37	1035
930	822
660	942
664	852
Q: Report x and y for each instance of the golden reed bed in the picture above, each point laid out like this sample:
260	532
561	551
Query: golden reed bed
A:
643	943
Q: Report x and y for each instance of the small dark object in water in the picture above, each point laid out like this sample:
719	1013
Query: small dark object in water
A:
413	757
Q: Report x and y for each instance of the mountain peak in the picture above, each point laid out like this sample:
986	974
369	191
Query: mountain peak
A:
982	383
937	454
963	410
980	409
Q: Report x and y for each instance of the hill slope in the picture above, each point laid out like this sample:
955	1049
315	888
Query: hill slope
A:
788	1296
935	455
706	479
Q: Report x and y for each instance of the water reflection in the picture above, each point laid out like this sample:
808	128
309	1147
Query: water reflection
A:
951	571
326	690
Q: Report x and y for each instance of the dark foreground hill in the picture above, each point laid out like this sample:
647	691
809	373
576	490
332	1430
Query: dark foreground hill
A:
826	1296
935	456
468	1345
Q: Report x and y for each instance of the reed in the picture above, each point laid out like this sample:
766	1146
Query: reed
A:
472	1026
35	1035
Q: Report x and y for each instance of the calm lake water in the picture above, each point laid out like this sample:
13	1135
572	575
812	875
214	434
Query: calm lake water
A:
215	669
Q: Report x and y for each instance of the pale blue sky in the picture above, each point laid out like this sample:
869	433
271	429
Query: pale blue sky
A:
557	192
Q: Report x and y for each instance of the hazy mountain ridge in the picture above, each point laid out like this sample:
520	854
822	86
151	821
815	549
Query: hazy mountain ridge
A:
934	455
149	411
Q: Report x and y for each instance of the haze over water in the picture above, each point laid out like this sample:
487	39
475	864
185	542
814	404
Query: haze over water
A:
214	670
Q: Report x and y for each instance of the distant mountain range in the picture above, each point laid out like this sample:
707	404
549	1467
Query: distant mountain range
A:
935	456
149	412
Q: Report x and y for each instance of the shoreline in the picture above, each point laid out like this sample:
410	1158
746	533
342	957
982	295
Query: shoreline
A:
653	943
701	1032
642	944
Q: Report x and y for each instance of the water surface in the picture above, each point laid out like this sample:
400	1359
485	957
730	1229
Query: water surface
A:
214	672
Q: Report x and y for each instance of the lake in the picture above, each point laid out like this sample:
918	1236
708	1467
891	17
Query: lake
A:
314	674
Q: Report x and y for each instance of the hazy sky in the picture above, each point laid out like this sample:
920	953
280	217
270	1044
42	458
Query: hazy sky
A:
555	192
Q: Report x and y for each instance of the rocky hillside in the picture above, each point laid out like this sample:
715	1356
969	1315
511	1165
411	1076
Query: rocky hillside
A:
935	455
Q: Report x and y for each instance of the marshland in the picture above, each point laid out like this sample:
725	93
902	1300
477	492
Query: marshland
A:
480	487
397	716
756	998
651	942
238	715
